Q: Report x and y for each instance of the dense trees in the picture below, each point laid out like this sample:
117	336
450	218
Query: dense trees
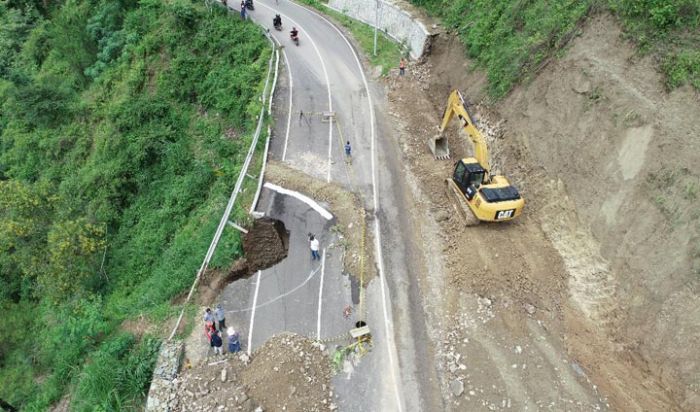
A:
114	167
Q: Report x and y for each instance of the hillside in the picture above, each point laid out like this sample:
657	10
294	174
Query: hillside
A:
591	109
512	41
123	125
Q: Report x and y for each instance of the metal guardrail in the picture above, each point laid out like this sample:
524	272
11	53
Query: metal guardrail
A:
241	176
254	204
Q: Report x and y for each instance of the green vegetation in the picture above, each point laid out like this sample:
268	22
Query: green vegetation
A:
511	39
123	125
388	51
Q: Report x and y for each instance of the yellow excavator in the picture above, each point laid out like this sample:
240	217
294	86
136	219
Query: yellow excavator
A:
480	196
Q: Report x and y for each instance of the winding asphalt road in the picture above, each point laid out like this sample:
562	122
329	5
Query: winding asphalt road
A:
324	75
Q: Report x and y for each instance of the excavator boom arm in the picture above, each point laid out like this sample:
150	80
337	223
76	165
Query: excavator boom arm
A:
456	105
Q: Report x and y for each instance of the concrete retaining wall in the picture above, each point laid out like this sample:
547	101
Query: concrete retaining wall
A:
397	23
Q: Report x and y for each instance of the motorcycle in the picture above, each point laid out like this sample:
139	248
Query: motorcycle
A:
277	23
294	37
249	5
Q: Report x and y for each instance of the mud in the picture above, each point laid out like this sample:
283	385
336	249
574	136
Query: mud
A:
265	244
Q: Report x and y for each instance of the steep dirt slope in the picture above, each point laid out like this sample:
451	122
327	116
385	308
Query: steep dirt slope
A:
596	285
627	153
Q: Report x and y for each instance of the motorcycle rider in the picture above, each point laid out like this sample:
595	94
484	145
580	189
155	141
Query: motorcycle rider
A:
277	21
294	33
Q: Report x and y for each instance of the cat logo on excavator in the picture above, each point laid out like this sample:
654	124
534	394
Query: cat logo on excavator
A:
479	195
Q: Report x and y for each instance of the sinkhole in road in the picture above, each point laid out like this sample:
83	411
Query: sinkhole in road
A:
265	244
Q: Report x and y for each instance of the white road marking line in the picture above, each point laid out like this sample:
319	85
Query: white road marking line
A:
325	74
320	294
252	315
330	148
391	346
289	114
312	203
275	299
256	198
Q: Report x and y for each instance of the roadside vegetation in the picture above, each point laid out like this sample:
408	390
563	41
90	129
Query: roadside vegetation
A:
389	52
123	125
512	39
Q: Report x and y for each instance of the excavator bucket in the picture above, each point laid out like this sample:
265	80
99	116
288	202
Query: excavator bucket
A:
438	146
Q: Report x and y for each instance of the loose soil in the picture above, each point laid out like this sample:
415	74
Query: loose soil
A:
589	300
265	244
288	372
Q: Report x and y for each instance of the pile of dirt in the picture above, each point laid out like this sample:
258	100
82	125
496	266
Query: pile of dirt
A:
346	207
265	244
288	372
292	373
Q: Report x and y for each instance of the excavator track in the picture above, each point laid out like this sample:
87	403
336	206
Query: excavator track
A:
459	202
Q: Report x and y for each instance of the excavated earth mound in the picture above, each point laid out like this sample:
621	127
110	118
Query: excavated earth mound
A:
290	373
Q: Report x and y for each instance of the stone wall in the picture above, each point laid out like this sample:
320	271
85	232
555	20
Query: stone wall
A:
163	386
393	20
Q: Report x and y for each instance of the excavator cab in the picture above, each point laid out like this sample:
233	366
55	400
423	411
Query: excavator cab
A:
468	177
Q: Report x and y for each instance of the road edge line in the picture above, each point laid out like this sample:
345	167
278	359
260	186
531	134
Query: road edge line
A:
289	114
252	315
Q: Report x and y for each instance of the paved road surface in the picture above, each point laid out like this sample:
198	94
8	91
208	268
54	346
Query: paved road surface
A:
322	75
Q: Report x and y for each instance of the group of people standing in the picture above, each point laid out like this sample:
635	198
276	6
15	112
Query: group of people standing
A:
214	324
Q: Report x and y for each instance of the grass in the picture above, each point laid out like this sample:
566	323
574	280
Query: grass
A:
511	40
675	194
389	52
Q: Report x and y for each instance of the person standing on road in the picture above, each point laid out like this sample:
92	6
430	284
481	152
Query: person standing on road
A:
209	331
402	67
314	245
348	148
243	12
216	342
234	344
220	316
208	316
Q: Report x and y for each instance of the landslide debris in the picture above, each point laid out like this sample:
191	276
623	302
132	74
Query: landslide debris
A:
289	372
